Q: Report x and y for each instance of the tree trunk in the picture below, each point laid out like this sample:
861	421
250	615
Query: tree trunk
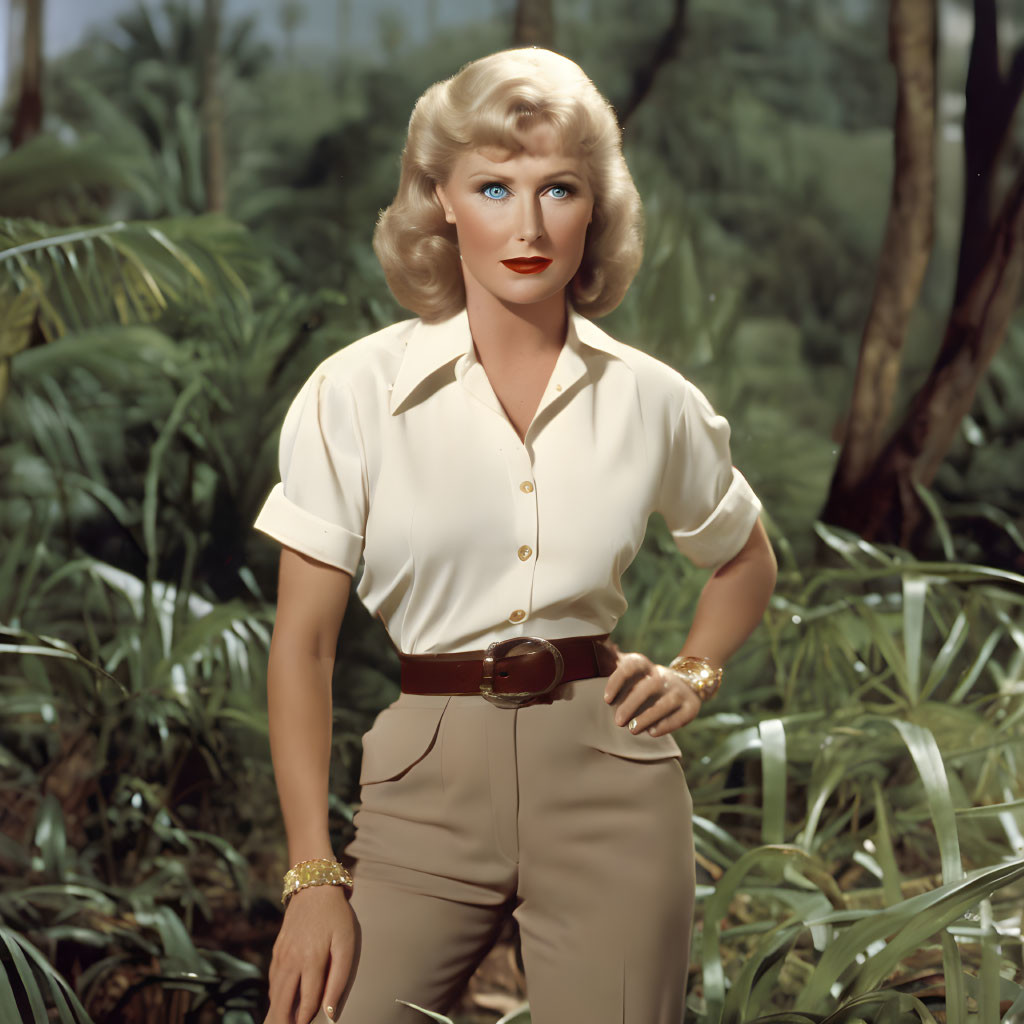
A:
535	24
214	164
991	102
668	49
885	506
28	115
905	250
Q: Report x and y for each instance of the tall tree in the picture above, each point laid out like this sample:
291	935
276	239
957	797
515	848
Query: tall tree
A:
28	115
906	248
992	99
874	493
669	46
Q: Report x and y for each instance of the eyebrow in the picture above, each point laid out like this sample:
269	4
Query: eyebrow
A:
565	173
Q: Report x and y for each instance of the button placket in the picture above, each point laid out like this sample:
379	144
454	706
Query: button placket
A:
523	546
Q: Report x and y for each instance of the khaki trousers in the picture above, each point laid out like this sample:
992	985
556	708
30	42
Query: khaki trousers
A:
551	812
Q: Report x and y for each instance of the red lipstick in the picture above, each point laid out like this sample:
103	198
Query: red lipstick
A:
528	264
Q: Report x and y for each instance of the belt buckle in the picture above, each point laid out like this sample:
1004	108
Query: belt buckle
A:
499	649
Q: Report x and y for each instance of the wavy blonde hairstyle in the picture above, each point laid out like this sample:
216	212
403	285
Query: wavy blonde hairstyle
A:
492	102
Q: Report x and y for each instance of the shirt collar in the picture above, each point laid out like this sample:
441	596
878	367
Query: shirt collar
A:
432	346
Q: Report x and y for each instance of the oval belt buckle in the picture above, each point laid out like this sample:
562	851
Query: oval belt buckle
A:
508	647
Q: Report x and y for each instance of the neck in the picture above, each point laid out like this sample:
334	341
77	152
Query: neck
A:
503	330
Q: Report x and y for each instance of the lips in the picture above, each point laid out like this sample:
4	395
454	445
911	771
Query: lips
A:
528	264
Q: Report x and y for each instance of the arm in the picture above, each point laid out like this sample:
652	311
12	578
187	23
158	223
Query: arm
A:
310	606
731	605
733	601
313	952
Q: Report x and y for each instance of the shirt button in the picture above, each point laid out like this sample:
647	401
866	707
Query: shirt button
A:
526	487
524	552
517	616
558	387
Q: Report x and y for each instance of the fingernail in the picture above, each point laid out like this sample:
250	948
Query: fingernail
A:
652	731
632	725
329	1010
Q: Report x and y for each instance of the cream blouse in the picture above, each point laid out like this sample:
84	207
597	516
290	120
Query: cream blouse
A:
397	452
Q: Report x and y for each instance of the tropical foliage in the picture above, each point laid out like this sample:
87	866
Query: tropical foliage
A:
858	785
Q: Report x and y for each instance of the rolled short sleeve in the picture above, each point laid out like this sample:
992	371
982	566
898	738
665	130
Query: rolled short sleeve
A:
320	505
708	505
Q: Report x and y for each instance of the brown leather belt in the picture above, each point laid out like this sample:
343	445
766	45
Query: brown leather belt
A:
511	672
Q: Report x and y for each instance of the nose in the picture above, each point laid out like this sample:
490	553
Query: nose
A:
529	222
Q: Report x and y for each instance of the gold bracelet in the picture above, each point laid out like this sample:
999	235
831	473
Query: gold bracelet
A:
318	871
698	674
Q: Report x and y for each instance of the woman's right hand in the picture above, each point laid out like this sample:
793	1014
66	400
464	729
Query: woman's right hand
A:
312	955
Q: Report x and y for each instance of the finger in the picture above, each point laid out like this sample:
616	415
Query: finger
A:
311	990
630	667
682	716
283	993
283	985
643	692
666	705
337	975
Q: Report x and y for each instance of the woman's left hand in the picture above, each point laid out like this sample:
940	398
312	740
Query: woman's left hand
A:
667	702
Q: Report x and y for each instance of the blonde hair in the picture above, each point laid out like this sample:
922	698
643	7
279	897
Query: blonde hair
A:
492	102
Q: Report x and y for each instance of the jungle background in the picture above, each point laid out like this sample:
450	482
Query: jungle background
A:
834	195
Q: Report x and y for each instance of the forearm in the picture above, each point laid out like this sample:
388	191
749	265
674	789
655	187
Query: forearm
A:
299	711
733	601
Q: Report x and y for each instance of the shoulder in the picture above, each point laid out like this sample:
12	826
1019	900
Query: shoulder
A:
657	383
372	360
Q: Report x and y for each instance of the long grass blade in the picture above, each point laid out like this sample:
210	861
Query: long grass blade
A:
925	752
891	890
951	647
439	1017
31	989
8	1002
988	976
910	923
953	975
773	775
763	858
915	593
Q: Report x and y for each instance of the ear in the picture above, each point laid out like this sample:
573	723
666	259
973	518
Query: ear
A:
442	198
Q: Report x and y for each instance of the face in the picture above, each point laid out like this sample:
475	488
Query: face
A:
521	218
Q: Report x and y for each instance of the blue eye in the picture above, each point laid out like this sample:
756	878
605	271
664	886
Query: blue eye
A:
560	191
495	191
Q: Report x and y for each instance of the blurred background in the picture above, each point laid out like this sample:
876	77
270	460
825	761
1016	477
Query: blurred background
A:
834	199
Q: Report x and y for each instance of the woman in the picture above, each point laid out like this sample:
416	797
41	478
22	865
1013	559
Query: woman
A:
494	463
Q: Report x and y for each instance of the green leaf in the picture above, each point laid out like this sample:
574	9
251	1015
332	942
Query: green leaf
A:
716	908
28	982
925	752
909	923
915	593
773	771
8	1003
953	975
439	1017
761	967
518	1015
951	647
941	526
51	836
988	976
891	890
990	810
63	994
